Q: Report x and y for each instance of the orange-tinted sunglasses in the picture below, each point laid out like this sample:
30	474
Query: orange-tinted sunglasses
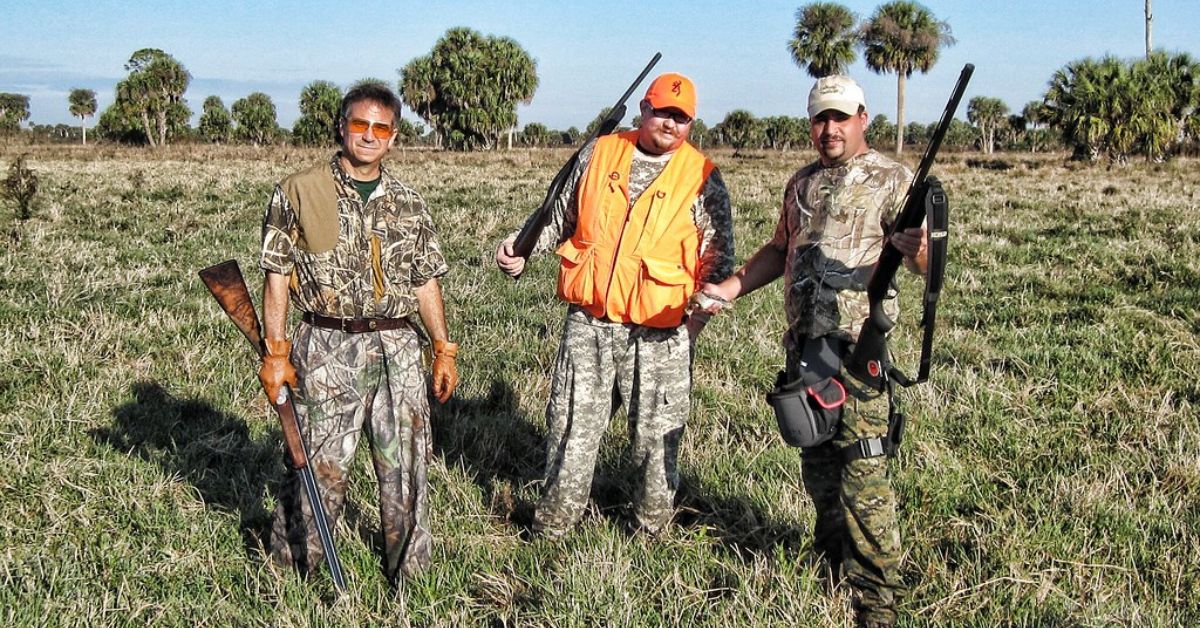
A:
358	125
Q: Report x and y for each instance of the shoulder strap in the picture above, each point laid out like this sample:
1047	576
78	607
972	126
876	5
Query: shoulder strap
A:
938	225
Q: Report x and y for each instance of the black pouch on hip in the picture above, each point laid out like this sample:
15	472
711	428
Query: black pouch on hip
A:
809	408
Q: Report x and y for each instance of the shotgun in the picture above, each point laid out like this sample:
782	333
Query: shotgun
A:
869	362
528	237
228	287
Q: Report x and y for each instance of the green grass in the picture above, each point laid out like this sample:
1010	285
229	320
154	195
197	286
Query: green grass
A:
1050	473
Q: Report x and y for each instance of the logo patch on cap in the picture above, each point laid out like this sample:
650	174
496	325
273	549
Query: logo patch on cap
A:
677	87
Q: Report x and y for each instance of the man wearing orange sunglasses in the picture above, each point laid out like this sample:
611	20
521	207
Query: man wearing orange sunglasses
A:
641	223
356	251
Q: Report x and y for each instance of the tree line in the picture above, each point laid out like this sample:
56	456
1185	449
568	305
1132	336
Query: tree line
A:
1107	107
466	90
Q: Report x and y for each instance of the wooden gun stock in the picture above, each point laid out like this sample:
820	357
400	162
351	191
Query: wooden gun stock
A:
228	287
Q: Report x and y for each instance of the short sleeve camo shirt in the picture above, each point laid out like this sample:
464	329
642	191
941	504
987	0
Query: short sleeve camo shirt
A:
342	282
832	225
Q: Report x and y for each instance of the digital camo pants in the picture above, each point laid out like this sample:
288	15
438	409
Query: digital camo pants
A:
350	383
856	526
651	372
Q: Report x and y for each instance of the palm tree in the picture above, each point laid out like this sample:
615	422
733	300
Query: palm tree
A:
1034	113
987	114
1165	91
419	92
1080	101
1149	29
216	125
320	106
740	129
468	87
515	74
154	89
83	105
255	118
903	37
824	39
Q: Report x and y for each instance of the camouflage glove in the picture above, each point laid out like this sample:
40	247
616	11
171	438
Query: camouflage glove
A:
445	370
276	369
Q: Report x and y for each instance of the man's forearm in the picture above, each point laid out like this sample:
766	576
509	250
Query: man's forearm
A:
764	267
432	310
918	264
275	306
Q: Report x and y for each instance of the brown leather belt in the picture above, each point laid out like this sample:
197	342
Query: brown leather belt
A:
355	325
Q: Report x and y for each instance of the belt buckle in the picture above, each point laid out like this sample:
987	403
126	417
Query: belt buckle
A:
371	324
344	324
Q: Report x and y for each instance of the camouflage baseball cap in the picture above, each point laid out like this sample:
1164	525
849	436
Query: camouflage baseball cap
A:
836	92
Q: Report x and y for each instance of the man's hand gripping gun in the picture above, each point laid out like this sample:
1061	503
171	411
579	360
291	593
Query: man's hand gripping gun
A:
228	287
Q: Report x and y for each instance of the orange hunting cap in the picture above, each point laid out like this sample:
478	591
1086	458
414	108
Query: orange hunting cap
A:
673	90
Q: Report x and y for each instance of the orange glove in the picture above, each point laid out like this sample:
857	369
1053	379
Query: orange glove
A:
276	369
445	371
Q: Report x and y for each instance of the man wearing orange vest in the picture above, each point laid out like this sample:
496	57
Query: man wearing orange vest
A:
643	221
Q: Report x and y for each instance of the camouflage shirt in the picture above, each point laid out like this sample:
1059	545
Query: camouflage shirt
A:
833	225
710	212
385	248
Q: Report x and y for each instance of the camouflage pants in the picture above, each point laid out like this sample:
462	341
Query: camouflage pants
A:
856	526
650	370
349	383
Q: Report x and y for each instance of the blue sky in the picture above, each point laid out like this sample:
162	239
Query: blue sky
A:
587	52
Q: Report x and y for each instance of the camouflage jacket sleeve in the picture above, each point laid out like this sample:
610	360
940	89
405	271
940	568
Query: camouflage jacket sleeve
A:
898	194
428	260
789	213
714	220
566	208
279	222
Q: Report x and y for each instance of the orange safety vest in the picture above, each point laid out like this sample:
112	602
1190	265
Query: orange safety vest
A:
640	264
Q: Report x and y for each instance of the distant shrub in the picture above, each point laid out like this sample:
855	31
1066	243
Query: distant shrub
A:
989	164
21	185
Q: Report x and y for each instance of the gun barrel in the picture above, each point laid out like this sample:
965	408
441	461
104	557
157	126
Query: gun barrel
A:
943	125
527	238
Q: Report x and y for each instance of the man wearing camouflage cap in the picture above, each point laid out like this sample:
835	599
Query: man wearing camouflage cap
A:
642	221
836	214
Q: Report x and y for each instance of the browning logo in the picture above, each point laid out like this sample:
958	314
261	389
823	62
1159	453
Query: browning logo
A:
677	88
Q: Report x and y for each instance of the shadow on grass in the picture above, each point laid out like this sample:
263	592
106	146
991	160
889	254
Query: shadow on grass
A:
499	447
210	449
504	452
740	526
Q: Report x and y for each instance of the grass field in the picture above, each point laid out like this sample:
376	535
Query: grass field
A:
1050	475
